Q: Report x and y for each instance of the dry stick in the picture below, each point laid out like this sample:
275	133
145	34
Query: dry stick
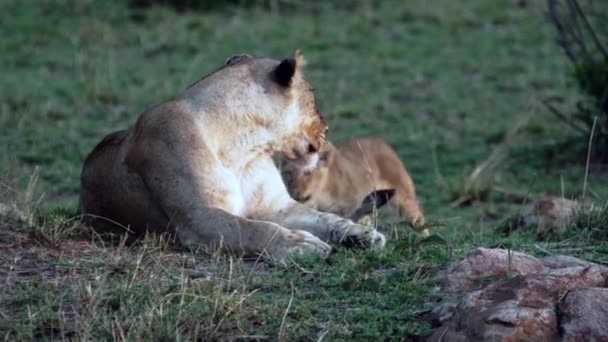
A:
231	310
500	152
564	118
577	31
596	40
104	218
561	30
281	331
588	158
563	187
259	257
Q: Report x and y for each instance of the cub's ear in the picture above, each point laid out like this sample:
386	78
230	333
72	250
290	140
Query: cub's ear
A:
284	72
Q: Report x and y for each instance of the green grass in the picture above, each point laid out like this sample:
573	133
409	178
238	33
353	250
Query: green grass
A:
444	83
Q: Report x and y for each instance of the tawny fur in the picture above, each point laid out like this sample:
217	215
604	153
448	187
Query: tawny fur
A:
201	166
348	172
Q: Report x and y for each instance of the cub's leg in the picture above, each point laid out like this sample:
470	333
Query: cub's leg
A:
190	187
406	203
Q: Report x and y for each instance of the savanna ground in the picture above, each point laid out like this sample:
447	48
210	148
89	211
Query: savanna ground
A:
445	82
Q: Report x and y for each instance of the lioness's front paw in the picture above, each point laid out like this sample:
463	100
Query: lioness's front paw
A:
360	236
299	242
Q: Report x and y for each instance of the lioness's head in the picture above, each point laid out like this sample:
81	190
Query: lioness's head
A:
273	105
305	125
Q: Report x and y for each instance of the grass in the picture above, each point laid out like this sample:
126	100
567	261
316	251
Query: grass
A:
444	84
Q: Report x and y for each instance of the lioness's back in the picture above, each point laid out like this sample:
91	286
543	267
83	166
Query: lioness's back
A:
109	194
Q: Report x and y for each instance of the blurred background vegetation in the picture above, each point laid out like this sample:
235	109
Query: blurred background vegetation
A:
490	104
444	83
584	39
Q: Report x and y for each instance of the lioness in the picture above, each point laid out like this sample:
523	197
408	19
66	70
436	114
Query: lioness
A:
201	166
348	172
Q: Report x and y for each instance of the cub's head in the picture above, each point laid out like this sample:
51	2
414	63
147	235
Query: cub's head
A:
307	185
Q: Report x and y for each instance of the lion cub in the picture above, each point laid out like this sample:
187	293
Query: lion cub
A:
348	172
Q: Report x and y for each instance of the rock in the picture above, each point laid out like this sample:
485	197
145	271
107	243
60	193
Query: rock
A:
563	261
556	262
4	209
584	315
555	298
483	264
439	314
552	215
549	215
497	313
12	211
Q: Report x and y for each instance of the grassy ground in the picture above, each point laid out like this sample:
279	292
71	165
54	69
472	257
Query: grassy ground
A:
444	83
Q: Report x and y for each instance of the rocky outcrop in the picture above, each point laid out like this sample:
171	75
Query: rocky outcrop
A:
484	265
507	296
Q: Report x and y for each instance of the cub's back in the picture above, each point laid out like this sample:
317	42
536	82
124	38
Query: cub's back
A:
375	155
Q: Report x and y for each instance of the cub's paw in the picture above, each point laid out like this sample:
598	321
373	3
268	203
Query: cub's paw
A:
361	236
299	242
417	220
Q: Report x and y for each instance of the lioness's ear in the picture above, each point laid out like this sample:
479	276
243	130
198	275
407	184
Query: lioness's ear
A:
232	60
284	72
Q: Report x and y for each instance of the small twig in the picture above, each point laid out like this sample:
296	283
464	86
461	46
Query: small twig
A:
443	334
589	157
542	249
107	219
596	40
25	272
562	116
513	195
281	329
219	324
561	30
460	201
577	31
